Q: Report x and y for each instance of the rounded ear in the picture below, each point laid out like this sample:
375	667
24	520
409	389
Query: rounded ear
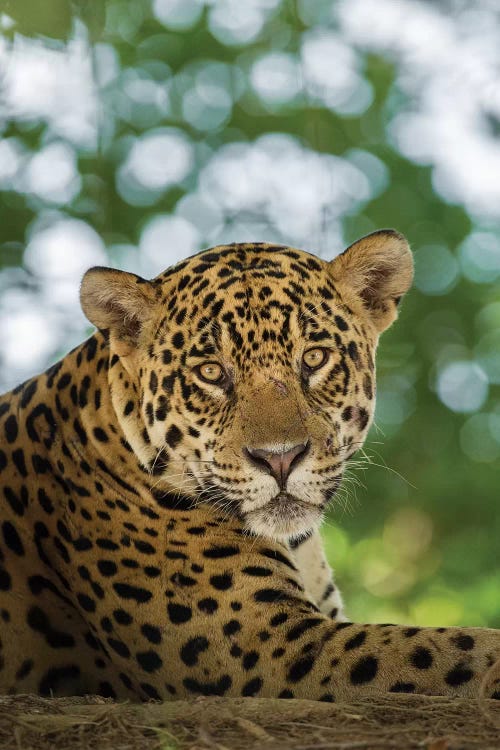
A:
375	272
122	302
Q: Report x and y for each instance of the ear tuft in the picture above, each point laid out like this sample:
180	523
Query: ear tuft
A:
375	272
122	302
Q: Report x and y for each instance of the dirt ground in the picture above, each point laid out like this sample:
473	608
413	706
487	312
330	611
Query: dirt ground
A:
402	722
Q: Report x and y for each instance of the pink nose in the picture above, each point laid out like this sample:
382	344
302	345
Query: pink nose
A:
279	465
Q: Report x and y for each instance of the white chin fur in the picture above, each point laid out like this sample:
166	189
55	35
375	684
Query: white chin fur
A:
280	526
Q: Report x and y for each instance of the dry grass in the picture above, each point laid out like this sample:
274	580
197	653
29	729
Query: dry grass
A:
402	722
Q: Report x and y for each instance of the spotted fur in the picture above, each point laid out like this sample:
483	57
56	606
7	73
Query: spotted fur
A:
159	530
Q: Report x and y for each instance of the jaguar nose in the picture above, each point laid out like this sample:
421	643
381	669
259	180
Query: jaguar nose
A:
278	463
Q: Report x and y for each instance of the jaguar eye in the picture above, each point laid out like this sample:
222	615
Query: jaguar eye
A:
211	372
315	358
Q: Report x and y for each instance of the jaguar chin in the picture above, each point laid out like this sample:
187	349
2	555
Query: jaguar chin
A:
284	518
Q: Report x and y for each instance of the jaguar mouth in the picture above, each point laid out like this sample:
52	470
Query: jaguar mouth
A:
284	499
284	517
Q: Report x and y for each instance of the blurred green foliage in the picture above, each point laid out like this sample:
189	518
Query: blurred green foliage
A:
418	541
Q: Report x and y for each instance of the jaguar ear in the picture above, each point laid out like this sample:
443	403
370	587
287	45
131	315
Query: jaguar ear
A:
122	302
374	273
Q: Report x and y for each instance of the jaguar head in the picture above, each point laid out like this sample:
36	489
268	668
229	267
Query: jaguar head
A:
250	371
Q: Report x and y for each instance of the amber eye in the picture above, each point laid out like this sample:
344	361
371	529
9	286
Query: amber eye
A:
211	372
315	358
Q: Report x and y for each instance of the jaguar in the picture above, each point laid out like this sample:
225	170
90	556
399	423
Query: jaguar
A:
162	487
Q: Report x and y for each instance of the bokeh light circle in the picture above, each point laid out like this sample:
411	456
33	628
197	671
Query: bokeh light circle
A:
462	386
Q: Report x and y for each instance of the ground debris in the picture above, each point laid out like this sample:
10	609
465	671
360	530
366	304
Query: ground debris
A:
392	721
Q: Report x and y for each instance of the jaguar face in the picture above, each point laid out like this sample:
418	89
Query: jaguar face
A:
253	369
